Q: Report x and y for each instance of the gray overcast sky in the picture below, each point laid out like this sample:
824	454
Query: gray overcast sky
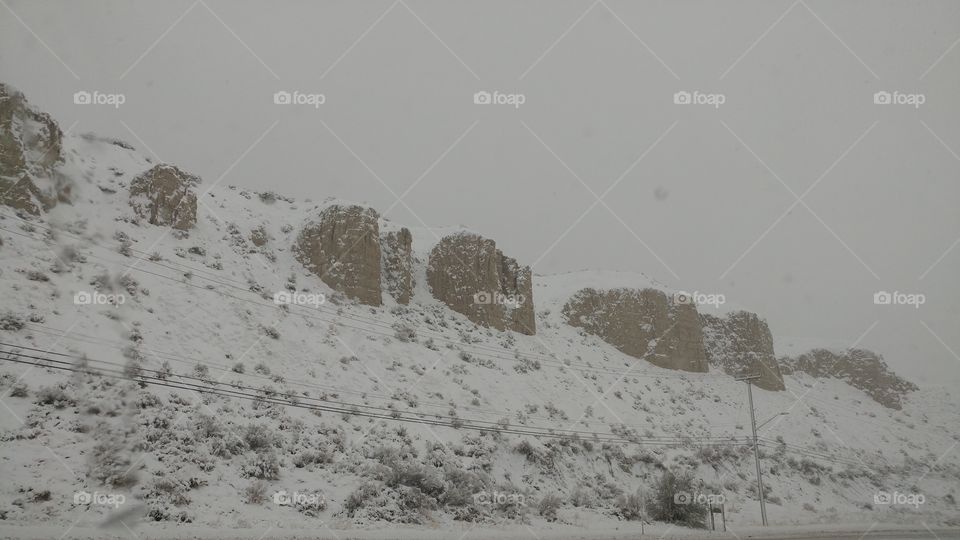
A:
705	207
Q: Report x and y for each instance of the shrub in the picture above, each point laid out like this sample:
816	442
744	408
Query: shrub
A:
404	332
664	507
110	461
54	395
582	497
256	492
258	437
630	507
239	368
548	506
11	321
359	496
309	457
19	390
263	465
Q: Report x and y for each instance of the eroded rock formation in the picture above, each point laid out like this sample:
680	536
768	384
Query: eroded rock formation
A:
740	343
470	275
164	195
642	323
859	368
342	247
31	145
396	248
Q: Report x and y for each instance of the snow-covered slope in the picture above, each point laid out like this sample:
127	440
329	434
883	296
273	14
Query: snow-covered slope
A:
200	304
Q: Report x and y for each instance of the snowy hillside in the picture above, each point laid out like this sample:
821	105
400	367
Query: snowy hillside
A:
377	415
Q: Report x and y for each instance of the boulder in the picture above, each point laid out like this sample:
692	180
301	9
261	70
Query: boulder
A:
740	343
342	247
396	248
860	368
471	276
643	323
164	195
31	145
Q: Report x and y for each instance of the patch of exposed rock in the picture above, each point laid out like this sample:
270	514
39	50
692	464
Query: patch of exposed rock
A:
396	249
860	368
31	145
642	323
342	247
164	195
740	343
471	276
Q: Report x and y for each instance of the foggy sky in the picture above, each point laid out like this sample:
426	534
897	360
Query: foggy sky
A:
698	195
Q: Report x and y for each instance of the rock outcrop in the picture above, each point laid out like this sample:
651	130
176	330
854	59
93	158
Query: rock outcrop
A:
740	343
164	195
31	145
642	323
396	248
342	247
470	275
860	368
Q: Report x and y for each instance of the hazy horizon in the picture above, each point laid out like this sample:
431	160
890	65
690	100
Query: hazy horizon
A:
698	193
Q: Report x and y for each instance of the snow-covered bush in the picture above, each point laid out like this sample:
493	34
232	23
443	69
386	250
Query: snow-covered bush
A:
262	465
548	506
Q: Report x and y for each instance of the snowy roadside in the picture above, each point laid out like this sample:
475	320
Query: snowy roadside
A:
512	532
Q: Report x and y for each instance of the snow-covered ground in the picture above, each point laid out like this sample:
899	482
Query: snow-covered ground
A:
202	304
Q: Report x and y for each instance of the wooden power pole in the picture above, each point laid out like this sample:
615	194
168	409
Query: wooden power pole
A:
756	446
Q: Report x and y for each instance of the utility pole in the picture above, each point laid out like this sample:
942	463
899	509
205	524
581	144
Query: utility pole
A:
756	447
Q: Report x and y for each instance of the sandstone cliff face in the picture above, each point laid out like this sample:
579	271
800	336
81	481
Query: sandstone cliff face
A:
642	323
31	145
396	248
164	195
740	343
470	275
342	247
860	368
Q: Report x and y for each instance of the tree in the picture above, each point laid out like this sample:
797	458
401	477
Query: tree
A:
675	501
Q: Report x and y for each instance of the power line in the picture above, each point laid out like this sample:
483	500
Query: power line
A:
360	410
162	355
354	409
